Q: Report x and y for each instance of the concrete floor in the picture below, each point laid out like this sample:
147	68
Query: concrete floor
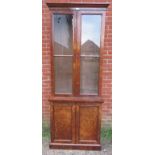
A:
46	151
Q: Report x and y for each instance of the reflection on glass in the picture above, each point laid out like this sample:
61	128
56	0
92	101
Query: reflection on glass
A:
90	47
63	53
63	34
63	74
90	37
89	76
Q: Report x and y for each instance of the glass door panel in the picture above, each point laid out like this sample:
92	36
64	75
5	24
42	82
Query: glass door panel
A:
63	53
89	57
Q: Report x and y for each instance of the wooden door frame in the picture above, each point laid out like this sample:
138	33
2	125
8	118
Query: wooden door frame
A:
62	11
93	12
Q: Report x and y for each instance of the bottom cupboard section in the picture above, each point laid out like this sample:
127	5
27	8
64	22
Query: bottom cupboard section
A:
75	125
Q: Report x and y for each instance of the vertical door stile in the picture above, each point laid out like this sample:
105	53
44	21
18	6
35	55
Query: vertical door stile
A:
51	120
78	52
99	123
100	83
73	123
52	53
75	34
74	52
77	123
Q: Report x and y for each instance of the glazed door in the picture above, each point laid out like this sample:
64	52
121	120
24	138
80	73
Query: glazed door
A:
76	46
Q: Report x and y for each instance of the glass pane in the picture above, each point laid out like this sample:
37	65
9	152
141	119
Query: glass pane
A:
63	75
90	47
89	75
63	30
90	37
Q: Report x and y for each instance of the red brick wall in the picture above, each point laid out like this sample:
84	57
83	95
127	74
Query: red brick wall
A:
106	57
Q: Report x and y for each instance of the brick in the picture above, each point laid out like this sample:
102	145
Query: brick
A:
106	58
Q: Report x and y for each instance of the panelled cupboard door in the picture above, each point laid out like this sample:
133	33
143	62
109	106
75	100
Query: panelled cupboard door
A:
63	121
88	123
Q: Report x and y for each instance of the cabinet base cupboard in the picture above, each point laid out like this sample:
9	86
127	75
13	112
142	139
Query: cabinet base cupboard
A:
75	123
77	43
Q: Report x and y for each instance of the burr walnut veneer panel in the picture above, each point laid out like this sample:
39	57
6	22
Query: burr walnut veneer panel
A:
88	123
63	117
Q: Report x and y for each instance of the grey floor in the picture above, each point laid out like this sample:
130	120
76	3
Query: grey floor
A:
46	151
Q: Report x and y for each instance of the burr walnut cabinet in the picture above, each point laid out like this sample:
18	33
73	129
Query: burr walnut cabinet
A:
77	42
